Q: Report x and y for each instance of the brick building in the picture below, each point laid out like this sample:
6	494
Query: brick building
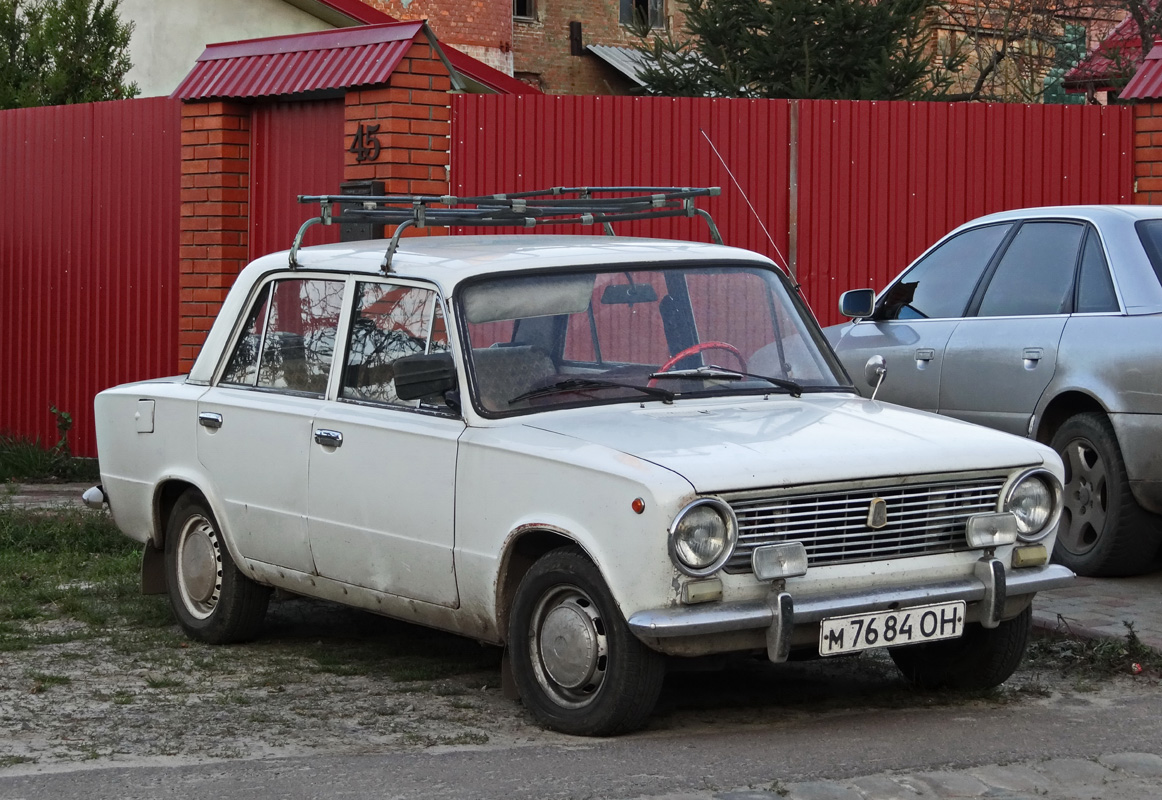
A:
559	47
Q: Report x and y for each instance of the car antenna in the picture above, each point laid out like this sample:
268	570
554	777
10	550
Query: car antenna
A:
786	264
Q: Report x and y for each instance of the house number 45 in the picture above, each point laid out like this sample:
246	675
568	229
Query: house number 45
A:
365	144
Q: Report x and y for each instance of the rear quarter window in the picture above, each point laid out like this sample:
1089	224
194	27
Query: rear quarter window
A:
1150	232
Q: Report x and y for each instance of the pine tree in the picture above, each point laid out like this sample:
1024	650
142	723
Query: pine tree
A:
809	49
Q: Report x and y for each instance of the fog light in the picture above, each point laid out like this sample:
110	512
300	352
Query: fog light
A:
701	591
991	530
788	560
1033	555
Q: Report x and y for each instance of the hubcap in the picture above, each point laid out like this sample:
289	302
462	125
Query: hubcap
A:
568	646
199	566
1086	500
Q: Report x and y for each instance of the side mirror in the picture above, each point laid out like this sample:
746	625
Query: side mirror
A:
857	303
873	372
424	375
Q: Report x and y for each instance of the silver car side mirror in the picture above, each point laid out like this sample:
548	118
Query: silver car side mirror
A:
874	371
857	303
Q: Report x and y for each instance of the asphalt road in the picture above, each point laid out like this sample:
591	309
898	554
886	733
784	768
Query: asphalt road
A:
803	754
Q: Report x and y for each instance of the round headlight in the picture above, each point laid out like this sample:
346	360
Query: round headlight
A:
1032	500
702	537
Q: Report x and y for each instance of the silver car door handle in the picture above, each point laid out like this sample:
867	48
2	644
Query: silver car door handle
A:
1031	356
923	356
328	438
209	419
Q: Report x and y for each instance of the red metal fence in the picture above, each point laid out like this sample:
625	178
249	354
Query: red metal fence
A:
849	192
296	148
88	257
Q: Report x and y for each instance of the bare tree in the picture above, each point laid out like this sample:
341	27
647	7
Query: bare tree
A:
1006	49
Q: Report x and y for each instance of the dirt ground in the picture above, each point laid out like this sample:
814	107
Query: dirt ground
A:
323	679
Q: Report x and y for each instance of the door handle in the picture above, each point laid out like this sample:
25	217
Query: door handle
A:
210	419
924	356
328	438
1031	356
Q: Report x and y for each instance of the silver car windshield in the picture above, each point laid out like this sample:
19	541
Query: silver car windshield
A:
601	336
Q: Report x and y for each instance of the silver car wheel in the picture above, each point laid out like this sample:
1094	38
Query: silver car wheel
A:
199	559
567	646
1086	497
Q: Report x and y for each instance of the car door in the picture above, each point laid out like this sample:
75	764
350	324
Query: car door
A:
254	429
916	316
382	470
1002	357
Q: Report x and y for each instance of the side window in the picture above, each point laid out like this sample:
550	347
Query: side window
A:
242	369
1150	234
940	286
390	321
1035	275
1095	290
289	338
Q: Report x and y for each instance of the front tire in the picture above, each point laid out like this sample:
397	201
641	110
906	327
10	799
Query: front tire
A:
980	659
1103	531
211	598
576	664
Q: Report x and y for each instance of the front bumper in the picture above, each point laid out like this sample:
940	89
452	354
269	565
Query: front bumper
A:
779	613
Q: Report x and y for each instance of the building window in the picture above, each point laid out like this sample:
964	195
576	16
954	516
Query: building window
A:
524	9
637	11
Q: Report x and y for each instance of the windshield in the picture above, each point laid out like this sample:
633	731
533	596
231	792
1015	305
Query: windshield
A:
604	336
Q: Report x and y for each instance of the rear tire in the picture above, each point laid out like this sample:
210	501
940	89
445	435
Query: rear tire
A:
1103	531
980	659
576	664
211	598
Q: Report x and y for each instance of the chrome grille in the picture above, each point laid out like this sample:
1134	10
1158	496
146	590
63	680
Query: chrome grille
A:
832	525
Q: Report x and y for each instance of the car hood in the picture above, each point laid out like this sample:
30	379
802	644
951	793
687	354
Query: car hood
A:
780	441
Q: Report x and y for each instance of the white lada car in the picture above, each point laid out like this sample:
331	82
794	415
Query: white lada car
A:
599	452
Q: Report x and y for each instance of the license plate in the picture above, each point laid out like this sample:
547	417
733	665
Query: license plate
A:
857	632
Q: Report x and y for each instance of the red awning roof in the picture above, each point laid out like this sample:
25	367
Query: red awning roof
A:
1147	81
306	62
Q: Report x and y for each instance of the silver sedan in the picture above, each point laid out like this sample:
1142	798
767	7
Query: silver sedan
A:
1046	323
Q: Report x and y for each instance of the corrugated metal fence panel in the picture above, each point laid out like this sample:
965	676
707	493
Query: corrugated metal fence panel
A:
88	257
518	143
879	182
292	152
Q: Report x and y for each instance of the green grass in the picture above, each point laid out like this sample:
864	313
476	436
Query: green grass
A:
71	565
23	459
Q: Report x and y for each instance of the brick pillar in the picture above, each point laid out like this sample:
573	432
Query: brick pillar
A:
1148	153
214	229
413	112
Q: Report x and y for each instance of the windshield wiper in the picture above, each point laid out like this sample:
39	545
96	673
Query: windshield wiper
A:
581	384
717	373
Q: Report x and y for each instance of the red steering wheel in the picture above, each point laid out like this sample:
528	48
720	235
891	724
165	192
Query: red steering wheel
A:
698	348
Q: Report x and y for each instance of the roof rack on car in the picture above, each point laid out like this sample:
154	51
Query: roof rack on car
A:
560	205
